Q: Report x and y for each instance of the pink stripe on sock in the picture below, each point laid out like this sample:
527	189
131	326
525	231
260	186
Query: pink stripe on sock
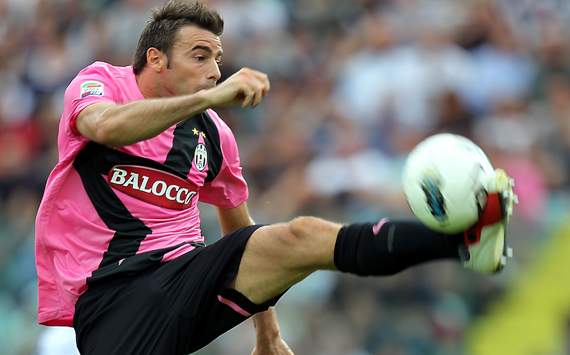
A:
234	306
377	226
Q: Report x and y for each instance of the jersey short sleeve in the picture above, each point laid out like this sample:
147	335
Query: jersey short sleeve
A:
93	84
229	188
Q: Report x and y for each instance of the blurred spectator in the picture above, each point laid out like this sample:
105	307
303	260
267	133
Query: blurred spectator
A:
554	152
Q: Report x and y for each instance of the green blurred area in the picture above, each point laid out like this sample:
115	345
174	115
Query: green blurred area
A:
533	317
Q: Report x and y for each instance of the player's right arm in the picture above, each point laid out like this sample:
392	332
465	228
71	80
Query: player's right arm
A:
119	125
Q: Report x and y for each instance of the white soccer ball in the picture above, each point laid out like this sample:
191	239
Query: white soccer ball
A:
444	182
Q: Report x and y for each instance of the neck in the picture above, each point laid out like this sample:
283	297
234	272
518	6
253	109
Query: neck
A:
147	85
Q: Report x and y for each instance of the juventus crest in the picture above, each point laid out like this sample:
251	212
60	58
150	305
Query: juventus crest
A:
200	157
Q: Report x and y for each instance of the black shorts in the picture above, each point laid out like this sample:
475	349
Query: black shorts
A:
176	307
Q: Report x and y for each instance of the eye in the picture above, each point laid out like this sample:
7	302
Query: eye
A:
200	58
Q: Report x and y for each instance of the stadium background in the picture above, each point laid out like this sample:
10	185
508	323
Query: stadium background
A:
355	84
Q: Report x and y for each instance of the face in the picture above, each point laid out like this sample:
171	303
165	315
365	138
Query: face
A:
192	64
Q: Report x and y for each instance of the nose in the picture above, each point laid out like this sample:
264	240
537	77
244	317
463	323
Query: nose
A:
215	73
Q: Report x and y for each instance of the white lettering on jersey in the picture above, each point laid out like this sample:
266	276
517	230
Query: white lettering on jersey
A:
152	185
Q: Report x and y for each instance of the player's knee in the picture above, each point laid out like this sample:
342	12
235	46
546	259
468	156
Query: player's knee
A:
303	243
291	237
300	225
303	228
295	233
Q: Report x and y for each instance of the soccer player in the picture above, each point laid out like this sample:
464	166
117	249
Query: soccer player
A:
119	251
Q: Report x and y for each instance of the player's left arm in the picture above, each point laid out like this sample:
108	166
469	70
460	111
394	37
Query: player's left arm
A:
268	339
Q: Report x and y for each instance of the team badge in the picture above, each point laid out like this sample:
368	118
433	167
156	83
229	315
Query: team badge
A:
200	157
92	88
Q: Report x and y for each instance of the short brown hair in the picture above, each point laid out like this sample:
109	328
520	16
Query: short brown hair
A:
160	32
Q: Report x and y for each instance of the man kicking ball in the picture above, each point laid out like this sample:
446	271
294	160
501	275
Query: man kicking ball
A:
119	251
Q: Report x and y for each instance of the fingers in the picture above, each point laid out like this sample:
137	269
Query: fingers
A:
248	96
247	88
257	97
263	80
255	86
253	99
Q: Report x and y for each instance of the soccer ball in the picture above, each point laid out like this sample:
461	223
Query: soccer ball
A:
444	179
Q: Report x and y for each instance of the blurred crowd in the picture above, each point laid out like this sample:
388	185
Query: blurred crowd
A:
355	85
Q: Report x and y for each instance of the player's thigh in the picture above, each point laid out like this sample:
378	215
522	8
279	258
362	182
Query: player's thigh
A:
126	316
280	255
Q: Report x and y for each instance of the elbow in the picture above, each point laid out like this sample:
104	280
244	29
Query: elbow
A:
103	124
108	133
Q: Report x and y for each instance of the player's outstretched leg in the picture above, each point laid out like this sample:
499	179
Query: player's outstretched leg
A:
278	256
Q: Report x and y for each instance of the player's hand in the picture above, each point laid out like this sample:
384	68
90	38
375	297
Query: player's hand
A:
276	347
246	87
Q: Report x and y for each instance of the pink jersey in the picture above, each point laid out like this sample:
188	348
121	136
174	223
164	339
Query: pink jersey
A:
107	211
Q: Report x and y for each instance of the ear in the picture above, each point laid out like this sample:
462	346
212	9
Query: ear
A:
156	60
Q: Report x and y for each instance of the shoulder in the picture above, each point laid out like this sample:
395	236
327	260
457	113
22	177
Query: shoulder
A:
101	74
105	70
98	79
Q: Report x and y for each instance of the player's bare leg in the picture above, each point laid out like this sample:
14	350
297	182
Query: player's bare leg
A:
280	255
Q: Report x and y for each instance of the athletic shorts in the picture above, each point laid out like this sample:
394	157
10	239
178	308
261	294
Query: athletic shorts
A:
175	307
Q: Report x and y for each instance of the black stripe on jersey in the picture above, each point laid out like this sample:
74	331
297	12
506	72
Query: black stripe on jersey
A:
185	141
93	163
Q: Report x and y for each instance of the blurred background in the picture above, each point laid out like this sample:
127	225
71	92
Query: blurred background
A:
355	85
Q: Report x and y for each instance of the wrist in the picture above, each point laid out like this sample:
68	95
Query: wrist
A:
267	336
205	98
266	327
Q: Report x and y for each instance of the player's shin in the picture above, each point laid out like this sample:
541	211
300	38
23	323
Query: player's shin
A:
390	247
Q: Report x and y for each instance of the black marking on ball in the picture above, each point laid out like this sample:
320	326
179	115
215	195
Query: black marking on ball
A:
434	198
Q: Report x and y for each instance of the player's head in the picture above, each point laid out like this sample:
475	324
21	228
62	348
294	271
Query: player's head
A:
180	48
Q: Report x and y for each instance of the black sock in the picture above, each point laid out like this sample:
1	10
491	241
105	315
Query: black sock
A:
396	246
